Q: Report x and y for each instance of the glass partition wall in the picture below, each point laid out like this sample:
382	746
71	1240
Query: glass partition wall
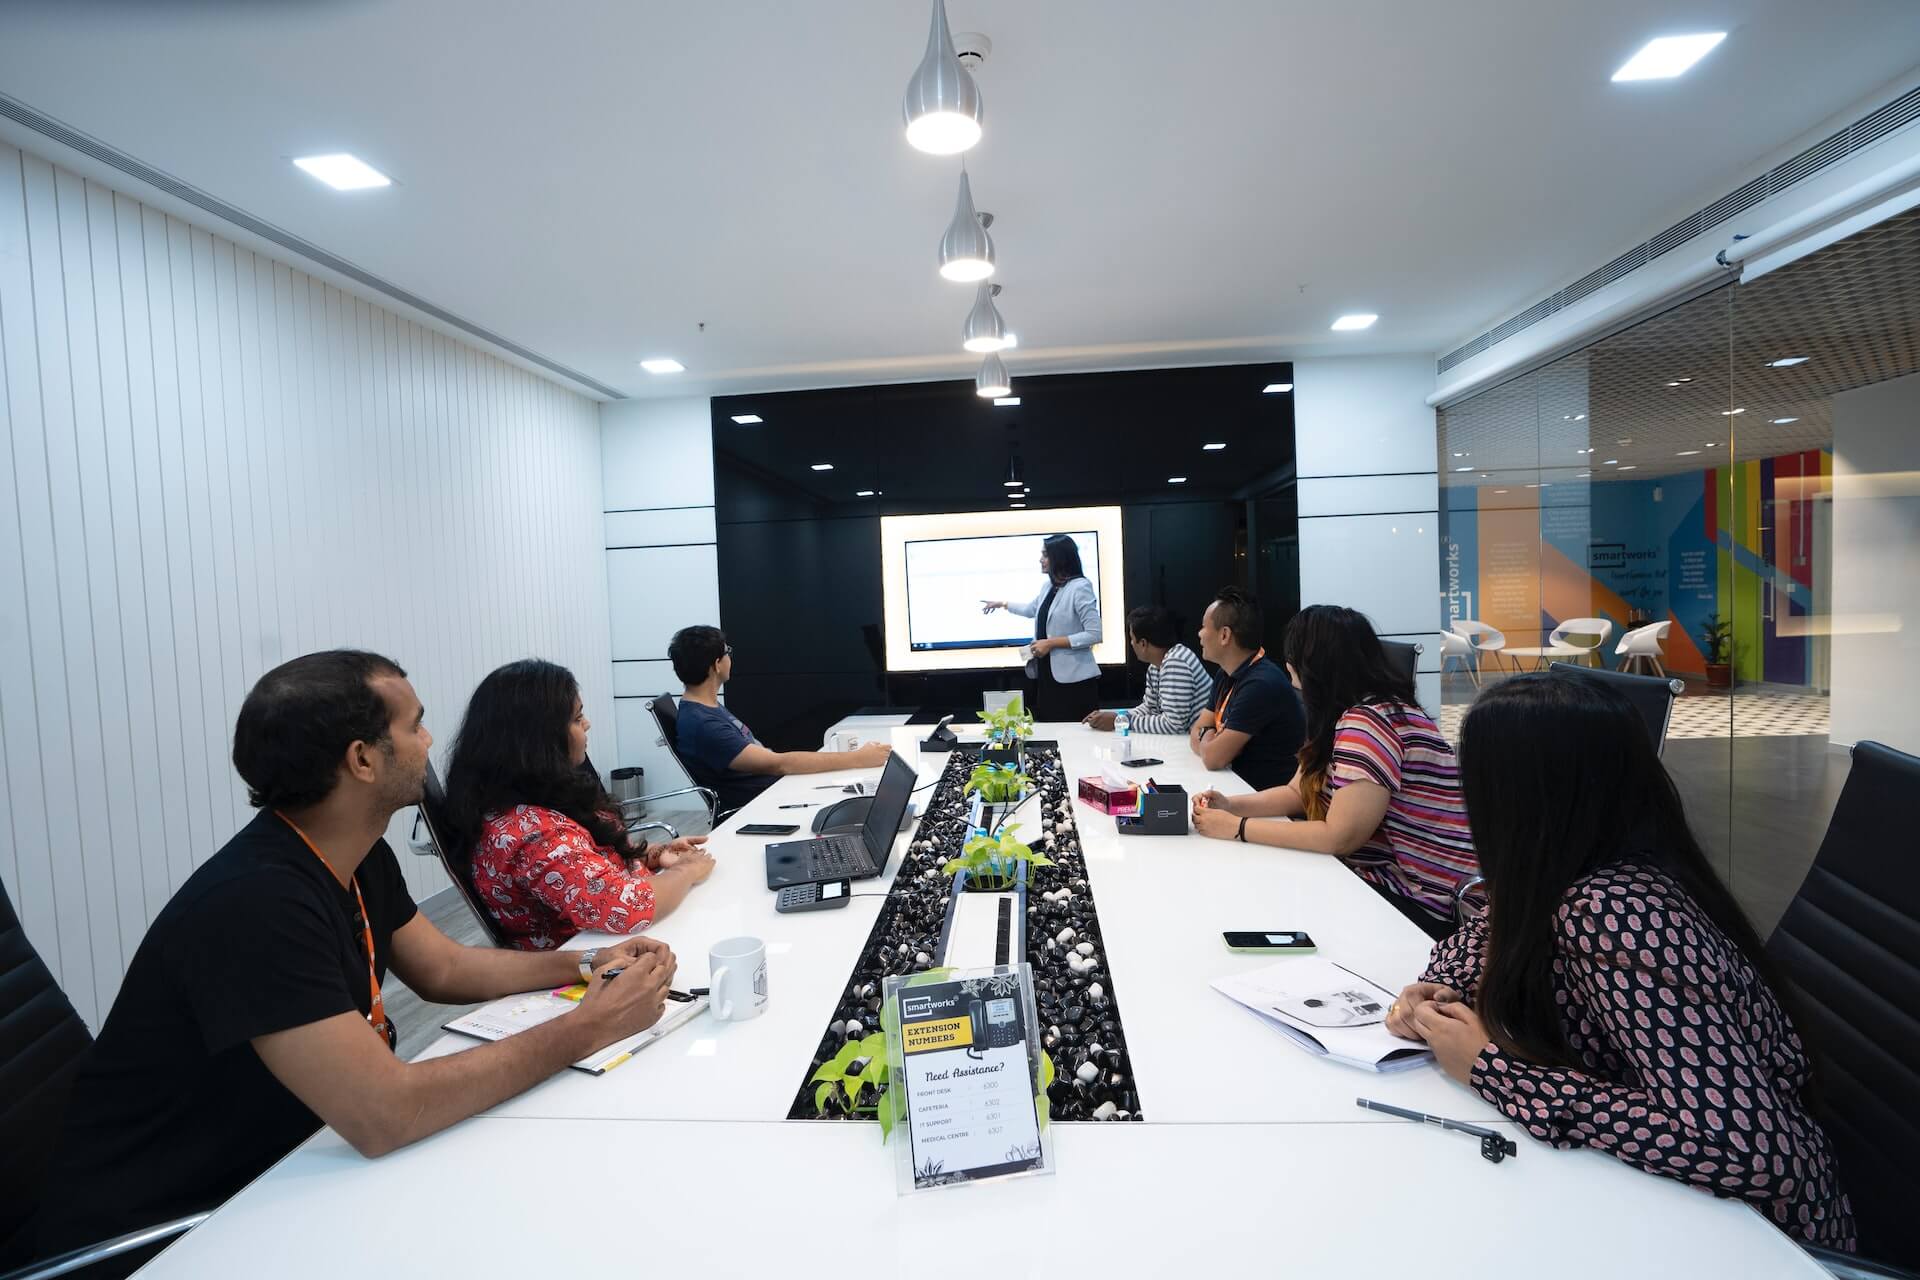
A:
1728	493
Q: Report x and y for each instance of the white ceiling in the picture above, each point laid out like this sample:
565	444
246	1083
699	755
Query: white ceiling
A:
1174	183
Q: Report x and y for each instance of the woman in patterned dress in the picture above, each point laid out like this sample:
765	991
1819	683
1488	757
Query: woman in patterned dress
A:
1614	996
538	837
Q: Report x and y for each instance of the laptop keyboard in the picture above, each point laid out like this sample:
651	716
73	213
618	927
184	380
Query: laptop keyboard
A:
838	856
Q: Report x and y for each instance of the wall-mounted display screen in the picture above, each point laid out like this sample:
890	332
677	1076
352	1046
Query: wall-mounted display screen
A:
937	571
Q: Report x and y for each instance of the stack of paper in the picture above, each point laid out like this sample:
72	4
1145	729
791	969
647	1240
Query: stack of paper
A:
1326	1009
514	1014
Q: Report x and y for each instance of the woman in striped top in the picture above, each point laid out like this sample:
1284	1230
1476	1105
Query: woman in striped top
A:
1377	784
1178	687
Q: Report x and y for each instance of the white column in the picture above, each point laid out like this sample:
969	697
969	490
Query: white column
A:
1369	496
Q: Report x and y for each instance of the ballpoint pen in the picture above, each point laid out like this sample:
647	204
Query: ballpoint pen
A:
1494	1146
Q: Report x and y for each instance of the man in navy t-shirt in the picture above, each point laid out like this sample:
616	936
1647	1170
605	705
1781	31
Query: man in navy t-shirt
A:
721	752
1255	723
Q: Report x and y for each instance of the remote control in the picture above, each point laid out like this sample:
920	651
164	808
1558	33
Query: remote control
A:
814	897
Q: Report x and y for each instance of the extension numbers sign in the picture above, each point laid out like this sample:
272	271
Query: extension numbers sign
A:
963	1053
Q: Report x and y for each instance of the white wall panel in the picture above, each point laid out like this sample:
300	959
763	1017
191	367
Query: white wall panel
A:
1363	415
659	453
1360	495
654	591
663	527
1384	566
644	679
211	462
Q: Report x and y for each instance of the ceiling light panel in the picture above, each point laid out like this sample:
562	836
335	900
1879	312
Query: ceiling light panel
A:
344	172
1667	56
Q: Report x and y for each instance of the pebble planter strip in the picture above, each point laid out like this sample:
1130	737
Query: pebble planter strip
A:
1078	1010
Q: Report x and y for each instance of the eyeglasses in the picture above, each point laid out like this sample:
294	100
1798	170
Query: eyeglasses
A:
728	653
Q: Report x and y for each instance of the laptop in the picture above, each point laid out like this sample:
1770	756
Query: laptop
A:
848	857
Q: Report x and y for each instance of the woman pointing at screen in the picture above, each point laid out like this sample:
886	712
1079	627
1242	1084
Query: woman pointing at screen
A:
1063	680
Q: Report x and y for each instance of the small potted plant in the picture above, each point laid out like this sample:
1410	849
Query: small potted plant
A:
992	862
853	1081
1716	641
998	787
1008	728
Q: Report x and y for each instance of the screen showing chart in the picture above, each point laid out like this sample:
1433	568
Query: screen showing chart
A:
948	579
937	570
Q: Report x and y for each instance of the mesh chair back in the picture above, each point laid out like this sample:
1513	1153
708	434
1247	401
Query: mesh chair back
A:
1404	656
1651	696
433	811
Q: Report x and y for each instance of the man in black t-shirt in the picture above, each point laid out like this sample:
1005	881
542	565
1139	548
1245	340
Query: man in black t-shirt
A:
1255	723
250	1014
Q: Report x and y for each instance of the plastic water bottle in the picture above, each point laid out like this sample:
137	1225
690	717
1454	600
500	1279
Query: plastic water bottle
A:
1123	729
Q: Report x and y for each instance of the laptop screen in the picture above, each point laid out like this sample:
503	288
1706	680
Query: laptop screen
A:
888	807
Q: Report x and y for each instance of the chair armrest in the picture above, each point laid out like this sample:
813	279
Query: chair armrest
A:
1460	894
638	827
1845	1265
86	1256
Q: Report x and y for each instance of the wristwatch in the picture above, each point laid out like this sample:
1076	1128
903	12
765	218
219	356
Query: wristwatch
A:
587	958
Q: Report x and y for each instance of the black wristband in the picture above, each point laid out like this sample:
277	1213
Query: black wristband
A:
1242	837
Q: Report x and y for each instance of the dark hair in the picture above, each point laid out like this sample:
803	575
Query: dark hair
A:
1341	666
1154	625
512	749
300	718
1063	558
1239	613
694	650
1560	782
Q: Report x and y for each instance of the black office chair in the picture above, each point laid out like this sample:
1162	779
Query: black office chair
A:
666	713
1848	951
41	1042
439	832
1404	656
1651	696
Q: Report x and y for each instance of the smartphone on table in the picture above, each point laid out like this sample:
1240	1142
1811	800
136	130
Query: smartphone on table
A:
769	829
1270	942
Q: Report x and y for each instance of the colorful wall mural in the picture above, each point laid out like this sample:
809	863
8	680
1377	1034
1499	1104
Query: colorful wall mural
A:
1677	548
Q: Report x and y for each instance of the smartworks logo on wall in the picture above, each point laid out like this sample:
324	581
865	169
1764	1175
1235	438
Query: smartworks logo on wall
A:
1454	613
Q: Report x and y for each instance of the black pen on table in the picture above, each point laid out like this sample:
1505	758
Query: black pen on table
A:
607	975
1494	1146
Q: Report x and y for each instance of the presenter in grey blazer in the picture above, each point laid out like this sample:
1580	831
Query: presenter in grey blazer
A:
1063	680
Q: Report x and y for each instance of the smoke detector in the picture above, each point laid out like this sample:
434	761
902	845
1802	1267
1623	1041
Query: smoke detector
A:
973	49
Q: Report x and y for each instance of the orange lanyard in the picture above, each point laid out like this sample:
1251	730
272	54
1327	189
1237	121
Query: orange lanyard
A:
1220	716
377	1011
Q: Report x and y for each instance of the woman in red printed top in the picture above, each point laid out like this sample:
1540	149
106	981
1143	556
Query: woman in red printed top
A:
1377	784
1614	996
539	837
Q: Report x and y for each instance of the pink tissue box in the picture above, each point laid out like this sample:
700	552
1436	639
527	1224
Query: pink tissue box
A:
1118	802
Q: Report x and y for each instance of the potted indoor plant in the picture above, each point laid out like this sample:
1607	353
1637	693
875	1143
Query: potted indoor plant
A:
1007	728
997	788
992	862
1716	642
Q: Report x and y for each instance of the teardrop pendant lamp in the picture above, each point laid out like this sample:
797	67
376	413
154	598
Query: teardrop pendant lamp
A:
992	381
985	330
942	105
966	251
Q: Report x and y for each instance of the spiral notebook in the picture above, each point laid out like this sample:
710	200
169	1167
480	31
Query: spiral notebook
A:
511	1015
1328	1010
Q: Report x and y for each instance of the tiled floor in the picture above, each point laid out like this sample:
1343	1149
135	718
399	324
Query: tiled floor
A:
1755	712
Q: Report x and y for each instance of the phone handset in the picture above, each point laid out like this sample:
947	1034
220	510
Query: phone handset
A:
978	1013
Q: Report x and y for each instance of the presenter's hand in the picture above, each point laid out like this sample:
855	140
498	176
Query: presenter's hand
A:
1454	1033
1099	720
872	756
662	856
1217	823
1211	799
630	1001
1411	997
988	606
1048	645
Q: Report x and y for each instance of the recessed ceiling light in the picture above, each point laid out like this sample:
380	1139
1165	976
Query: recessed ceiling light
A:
1787	362
1713	444
1012	340
1463	468
1668	56
1176	479
1680	382
1686	453
1499	490
1356	320
823	466
1533	486
1611	462
1015	505
747	419
1573	417
1728	413
343	172
866	493
1276	388
1631	467
1628	440
1213	446
1006	402
663	364
1781	422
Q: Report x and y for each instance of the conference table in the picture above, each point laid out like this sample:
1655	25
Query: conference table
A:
1251	1153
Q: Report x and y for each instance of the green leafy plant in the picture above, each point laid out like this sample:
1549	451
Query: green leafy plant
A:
857	1077
1010	723
997	783
1716	638
990	860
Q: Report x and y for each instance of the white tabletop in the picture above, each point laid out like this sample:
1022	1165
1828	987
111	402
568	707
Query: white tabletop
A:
498	1197
1239	1122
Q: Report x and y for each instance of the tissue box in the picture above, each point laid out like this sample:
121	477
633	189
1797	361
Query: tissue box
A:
1109	798
1162	812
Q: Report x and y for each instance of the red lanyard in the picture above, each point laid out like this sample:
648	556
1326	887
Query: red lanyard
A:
1220	717
377	1011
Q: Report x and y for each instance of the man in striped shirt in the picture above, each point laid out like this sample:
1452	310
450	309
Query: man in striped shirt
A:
1177	685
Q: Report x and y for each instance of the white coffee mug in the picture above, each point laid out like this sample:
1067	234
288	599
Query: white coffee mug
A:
737	979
